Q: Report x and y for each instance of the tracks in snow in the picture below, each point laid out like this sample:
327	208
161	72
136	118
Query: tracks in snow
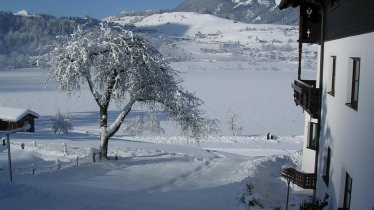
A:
206	165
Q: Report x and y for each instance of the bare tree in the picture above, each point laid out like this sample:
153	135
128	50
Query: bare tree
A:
235	128
121	66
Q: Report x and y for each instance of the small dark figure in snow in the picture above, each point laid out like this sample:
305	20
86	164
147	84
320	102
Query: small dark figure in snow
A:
269	136
22	145
3	141
93	157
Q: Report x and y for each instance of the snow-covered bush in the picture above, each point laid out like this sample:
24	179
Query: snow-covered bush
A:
138	125
211	126
61	123
135	127
152	124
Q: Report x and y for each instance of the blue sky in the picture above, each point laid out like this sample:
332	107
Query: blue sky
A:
94	8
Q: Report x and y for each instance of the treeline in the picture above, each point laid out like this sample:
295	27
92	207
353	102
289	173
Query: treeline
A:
24	38
142	13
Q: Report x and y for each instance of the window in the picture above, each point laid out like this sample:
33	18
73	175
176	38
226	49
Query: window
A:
354	83
313	136
326	172
332	75
347	191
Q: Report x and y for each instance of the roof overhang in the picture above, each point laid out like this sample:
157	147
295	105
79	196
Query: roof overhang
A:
284	4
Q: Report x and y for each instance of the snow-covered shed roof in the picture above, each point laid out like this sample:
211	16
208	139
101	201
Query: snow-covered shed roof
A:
14	114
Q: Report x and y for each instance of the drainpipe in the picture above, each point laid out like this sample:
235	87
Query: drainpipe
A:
300	55
320	93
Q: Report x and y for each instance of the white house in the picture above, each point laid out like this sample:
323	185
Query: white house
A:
339	104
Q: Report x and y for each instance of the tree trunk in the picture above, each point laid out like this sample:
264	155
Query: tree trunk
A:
104	137
104	140
108	131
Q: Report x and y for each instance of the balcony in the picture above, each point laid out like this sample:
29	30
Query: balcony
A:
301	179
307	96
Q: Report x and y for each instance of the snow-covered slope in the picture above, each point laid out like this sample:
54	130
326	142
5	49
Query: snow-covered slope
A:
200	37
249	11
189	24
23	13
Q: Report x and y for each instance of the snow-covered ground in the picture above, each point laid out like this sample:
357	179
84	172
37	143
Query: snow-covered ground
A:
146	175
250	78
164	172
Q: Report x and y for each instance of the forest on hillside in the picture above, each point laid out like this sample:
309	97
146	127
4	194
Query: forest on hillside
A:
24	38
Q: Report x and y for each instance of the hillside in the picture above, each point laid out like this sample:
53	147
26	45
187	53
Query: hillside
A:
210	40
249	11
24	36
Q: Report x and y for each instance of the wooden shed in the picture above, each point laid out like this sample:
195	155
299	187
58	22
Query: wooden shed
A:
12	118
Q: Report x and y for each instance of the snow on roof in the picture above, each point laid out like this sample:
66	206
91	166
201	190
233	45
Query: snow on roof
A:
14	114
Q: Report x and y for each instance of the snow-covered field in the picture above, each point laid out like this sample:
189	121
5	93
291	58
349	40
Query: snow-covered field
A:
165	172
250	79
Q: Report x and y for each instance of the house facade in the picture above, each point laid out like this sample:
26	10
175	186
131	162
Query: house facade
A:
338	104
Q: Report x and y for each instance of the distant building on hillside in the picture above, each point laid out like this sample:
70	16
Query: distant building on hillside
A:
12	118
338	160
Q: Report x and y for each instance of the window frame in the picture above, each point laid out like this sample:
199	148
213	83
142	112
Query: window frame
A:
332	76
355	66
326	173
313	129
347	191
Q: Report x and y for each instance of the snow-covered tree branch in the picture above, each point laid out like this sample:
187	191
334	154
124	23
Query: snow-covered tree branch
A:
122	67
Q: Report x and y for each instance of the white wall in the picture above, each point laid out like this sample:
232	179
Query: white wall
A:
349	133
308	159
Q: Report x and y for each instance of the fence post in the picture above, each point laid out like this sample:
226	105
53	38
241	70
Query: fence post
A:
58	164
65	148
9	160
288	192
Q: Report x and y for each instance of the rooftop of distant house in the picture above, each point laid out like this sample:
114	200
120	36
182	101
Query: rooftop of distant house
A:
11	114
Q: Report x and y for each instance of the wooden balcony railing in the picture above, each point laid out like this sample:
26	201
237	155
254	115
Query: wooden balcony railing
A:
307	96
301	179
